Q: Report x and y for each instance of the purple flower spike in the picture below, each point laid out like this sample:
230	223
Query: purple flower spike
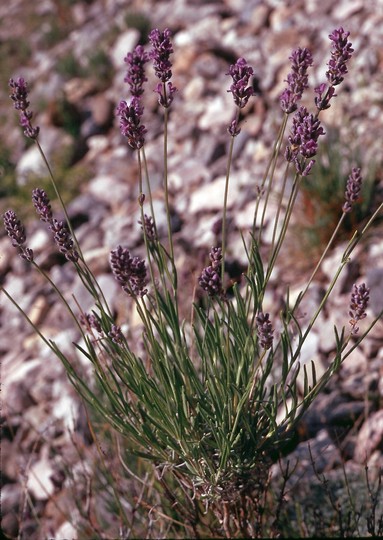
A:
165	94
341	53
91	322
353	187
116	335
264	330
323	96
360	297
129	271
130	122
297	79
42	204
234	129
63	240
210	281
19	97
210	278
160	53
149	227
303	140
135	76
16	232
240	72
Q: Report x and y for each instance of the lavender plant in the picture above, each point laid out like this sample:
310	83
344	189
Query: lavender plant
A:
209	401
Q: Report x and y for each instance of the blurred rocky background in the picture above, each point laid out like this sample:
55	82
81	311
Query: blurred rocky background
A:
71	53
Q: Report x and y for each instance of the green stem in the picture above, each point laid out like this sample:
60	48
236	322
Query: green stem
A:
166	187
286	221
88	273
279	206
272	164
225	197
319	263
147	178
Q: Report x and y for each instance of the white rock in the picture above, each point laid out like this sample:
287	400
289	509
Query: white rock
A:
106	189
218	114
210	196
30	164
66	531
39	482
64	408
125	43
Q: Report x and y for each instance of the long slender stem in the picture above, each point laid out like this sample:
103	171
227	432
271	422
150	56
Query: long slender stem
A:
281	195
273	164
225	198
166	186
273	157
88	273
329	244
149	188
286	221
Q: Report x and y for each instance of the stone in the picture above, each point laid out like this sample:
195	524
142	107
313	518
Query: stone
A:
209	197
125	43
30	165
108	190
39	481
370	437
218	114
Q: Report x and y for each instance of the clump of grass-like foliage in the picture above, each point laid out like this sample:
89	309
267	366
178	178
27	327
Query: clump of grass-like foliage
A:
209	401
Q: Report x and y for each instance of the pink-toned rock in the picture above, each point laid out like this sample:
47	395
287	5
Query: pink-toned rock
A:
370	437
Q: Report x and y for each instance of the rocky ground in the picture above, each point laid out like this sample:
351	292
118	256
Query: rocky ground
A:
72	54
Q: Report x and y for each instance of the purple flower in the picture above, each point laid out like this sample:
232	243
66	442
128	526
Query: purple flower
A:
303	140
42	204
129	271
149	227
135	76
160	53
341	53
264	330
240	72
116	335
233	129
60	231
165	94
210	281
130	122
63	240
210	278
19	97
353	187
297	79
215	256
358	305
91	322
323	96
16	232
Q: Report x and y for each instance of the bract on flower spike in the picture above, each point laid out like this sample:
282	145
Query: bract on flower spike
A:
341	53
241	72
353	188
130	122
210	278
19	97
129	271
360	297
264	330
303	139
160	54
297	79
16	232
135	76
